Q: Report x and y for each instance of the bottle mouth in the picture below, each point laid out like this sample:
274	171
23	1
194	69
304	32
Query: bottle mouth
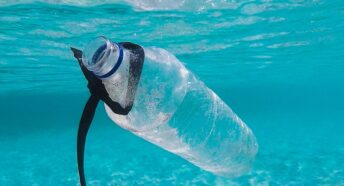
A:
95	52
99	55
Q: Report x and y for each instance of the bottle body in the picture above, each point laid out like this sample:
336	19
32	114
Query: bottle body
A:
176	111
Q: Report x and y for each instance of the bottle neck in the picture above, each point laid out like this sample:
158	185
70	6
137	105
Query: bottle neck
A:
103	57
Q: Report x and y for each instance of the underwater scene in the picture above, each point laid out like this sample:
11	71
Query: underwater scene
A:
278	65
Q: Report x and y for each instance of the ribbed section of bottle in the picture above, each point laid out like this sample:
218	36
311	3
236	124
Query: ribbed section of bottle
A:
176	111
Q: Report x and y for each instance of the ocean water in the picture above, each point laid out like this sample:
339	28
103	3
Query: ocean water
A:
278	64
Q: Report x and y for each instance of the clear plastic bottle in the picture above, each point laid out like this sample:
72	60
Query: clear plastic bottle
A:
178	112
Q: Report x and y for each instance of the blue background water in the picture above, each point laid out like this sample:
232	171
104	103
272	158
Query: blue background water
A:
278	64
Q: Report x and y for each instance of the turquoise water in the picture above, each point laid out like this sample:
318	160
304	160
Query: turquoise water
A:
278	64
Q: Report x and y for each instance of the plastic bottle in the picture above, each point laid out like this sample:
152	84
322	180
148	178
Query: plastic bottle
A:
177	112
